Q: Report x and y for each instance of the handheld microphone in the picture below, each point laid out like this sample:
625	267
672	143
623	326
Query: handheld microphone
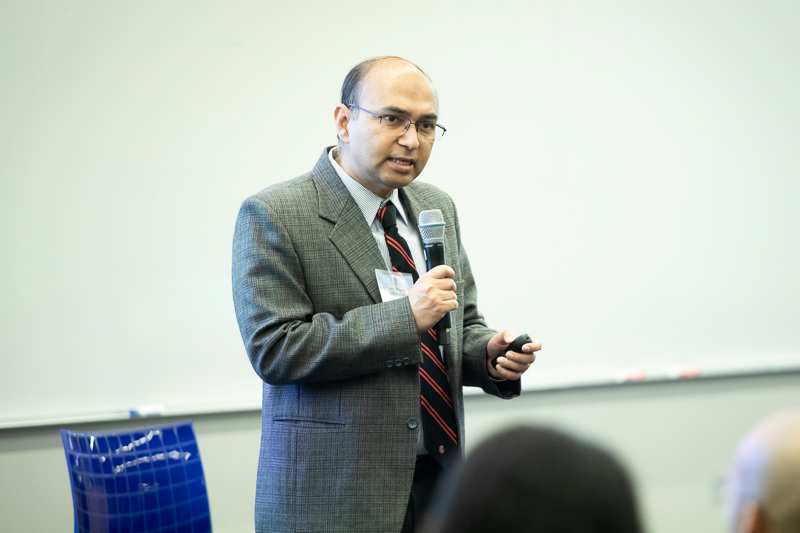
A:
431	228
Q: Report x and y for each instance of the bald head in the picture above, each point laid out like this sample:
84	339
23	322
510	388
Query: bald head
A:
352	82
764	490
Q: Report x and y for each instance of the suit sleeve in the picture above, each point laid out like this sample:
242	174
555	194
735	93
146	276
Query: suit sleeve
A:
287	340
477	335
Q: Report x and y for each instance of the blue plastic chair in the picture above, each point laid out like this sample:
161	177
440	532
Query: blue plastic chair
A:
145	479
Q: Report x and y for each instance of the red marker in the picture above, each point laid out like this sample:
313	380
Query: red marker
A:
633	374
688	371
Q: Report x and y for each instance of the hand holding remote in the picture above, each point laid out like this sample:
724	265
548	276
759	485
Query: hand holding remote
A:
515	346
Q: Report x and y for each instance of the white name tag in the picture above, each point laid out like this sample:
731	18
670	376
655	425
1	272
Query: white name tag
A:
393	285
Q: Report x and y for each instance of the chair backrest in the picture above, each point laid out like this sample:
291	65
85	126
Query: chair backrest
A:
143	479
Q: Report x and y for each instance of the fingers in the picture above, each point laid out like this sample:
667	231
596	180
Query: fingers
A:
515	362
533	346
505	373
511	365
433	295
439	284
528	354
508	335
441	272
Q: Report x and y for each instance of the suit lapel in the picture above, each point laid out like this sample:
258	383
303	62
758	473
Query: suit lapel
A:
353	237
350	233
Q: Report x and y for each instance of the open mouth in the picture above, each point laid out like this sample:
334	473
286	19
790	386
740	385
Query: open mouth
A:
401	162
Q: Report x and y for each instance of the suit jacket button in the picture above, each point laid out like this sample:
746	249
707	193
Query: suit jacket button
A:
389	363
412	423
398	362
406	361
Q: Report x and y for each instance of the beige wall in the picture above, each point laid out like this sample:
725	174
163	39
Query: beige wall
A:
676	438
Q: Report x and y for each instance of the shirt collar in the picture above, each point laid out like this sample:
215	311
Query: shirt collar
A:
368	202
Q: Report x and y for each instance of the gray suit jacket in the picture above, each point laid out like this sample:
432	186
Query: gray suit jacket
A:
341	409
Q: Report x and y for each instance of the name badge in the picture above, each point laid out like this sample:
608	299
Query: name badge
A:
393	285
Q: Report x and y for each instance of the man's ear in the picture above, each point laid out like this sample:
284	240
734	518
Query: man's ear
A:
342	117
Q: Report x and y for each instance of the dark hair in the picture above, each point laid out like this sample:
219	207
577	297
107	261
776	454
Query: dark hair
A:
538	480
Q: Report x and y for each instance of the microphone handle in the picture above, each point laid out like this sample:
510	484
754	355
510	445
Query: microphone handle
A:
434	256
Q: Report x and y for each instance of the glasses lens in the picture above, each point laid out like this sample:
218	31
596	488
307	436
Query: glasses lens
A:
391	122
429	131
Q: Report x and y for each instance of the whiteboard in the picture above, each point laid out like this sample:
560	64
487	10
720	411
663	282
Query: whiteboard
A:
626	175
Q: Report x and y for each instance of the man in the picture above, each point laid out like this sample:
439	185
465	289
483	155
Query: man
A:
349	434
764	478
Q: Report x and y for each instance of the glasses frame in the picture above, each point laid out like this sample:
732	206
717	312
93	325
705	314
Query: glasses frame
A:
416	124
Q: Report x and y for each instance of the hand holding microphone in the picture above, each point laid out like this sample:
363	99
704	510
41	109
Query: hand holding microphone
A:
432	297
431	229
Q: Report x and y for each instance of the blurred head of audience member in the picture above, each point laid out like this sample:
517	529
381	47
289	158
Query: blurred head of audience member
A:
763	491
539	480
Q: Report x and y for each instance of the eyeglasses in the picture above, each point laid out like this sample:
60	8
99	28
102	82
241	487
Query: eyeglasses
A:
426	129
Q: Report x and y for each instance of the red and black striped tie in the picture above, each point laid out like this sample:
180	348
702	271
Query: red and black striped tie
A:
438	417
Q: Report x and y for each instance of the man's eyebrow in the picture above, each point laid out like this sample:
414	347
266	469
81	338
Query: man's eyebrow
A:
399	111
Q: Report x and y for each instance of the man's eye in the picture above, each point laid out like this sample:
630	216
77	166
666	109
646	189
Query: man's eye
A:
391	119
427	127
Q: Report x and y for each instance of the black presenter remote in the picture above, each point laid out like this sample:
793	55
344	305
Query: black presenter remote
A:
515	346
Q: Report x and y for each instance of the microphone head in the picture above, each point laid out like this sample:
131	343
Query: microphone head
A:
431	226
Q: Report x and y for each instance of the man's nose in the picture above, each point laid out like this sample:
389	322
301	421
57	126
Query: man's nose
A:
410	137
